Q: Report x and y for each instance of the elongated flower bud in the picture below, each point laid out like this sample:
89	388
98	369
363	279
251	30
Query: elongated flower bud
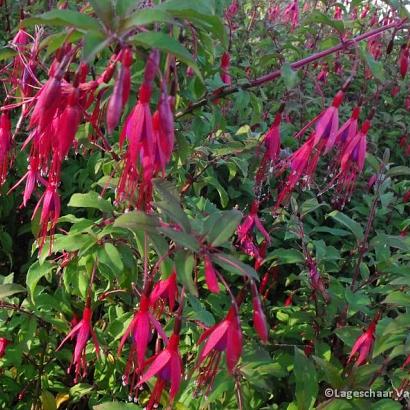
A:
151	67
404	61
225	64
210	275
115	104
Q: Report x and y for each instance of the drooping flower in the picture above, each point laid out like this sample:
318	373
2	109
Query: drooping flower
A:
404	61
82	332
316	280
140	329
345	133
225	65
165	288
3	345
364	344
328	123
259	319
167	367
406	362
272	139
5	145
352	159
211	277
298	163
291	14
223	336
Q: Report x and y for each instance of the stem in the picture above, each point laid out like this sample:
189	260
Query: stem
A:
296	65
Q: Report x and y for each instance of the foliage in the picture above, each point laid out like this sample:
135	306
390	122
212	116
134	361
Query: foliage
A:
127	242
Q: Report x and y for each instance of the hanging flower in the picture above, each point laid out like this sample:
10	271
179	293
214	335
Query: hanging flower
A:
404	61
140	329
165	288
364	344
82	332
225	64
167	367
5	145
259	319
3	345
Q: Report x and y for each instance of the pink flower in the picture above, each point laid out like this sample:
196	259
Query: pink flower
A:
5	145
250	222
345	133
166	288
364	343
291	14
211	277
272	139
224	336
140	329
404	61
259	319
167	367
328	123
225	64
3	345
82	331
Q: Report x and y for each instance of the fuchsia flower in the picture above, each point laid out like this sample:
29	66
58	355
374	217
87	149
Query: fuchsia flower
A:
82	331
232	10
211	277
51	207
298	163
250	222
224	336
259	318
364	344
272	139
316	280
121	91
167	367
328	123
352	159
225	65
345	133
140	328
138	130
3	345
165	288
291	14
5	145
403	366
404	61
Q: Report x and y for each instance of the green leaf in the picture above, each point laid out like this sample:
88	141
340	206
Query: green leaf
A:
90	200
400	170
63	18
345	220
306	380
171	206
184	264
319	17
35	273
116	405
286	256
290	76
332	374
224	227
398	298
114	256
167	44
199	12
10	289
181	238
48	401
93	44
137	221
148	16
376	67
310	205
104	10
232	264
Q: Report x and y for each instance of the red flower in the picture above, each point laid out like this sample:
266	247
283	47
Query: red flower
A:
82	331
404	60
291	14
259	319
364	343
345	133
5	145
272	139
405	364
3	345
140	329
225	64
328	122
252	220
167	367
224	336
211	277
165	288
288	301
406	197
